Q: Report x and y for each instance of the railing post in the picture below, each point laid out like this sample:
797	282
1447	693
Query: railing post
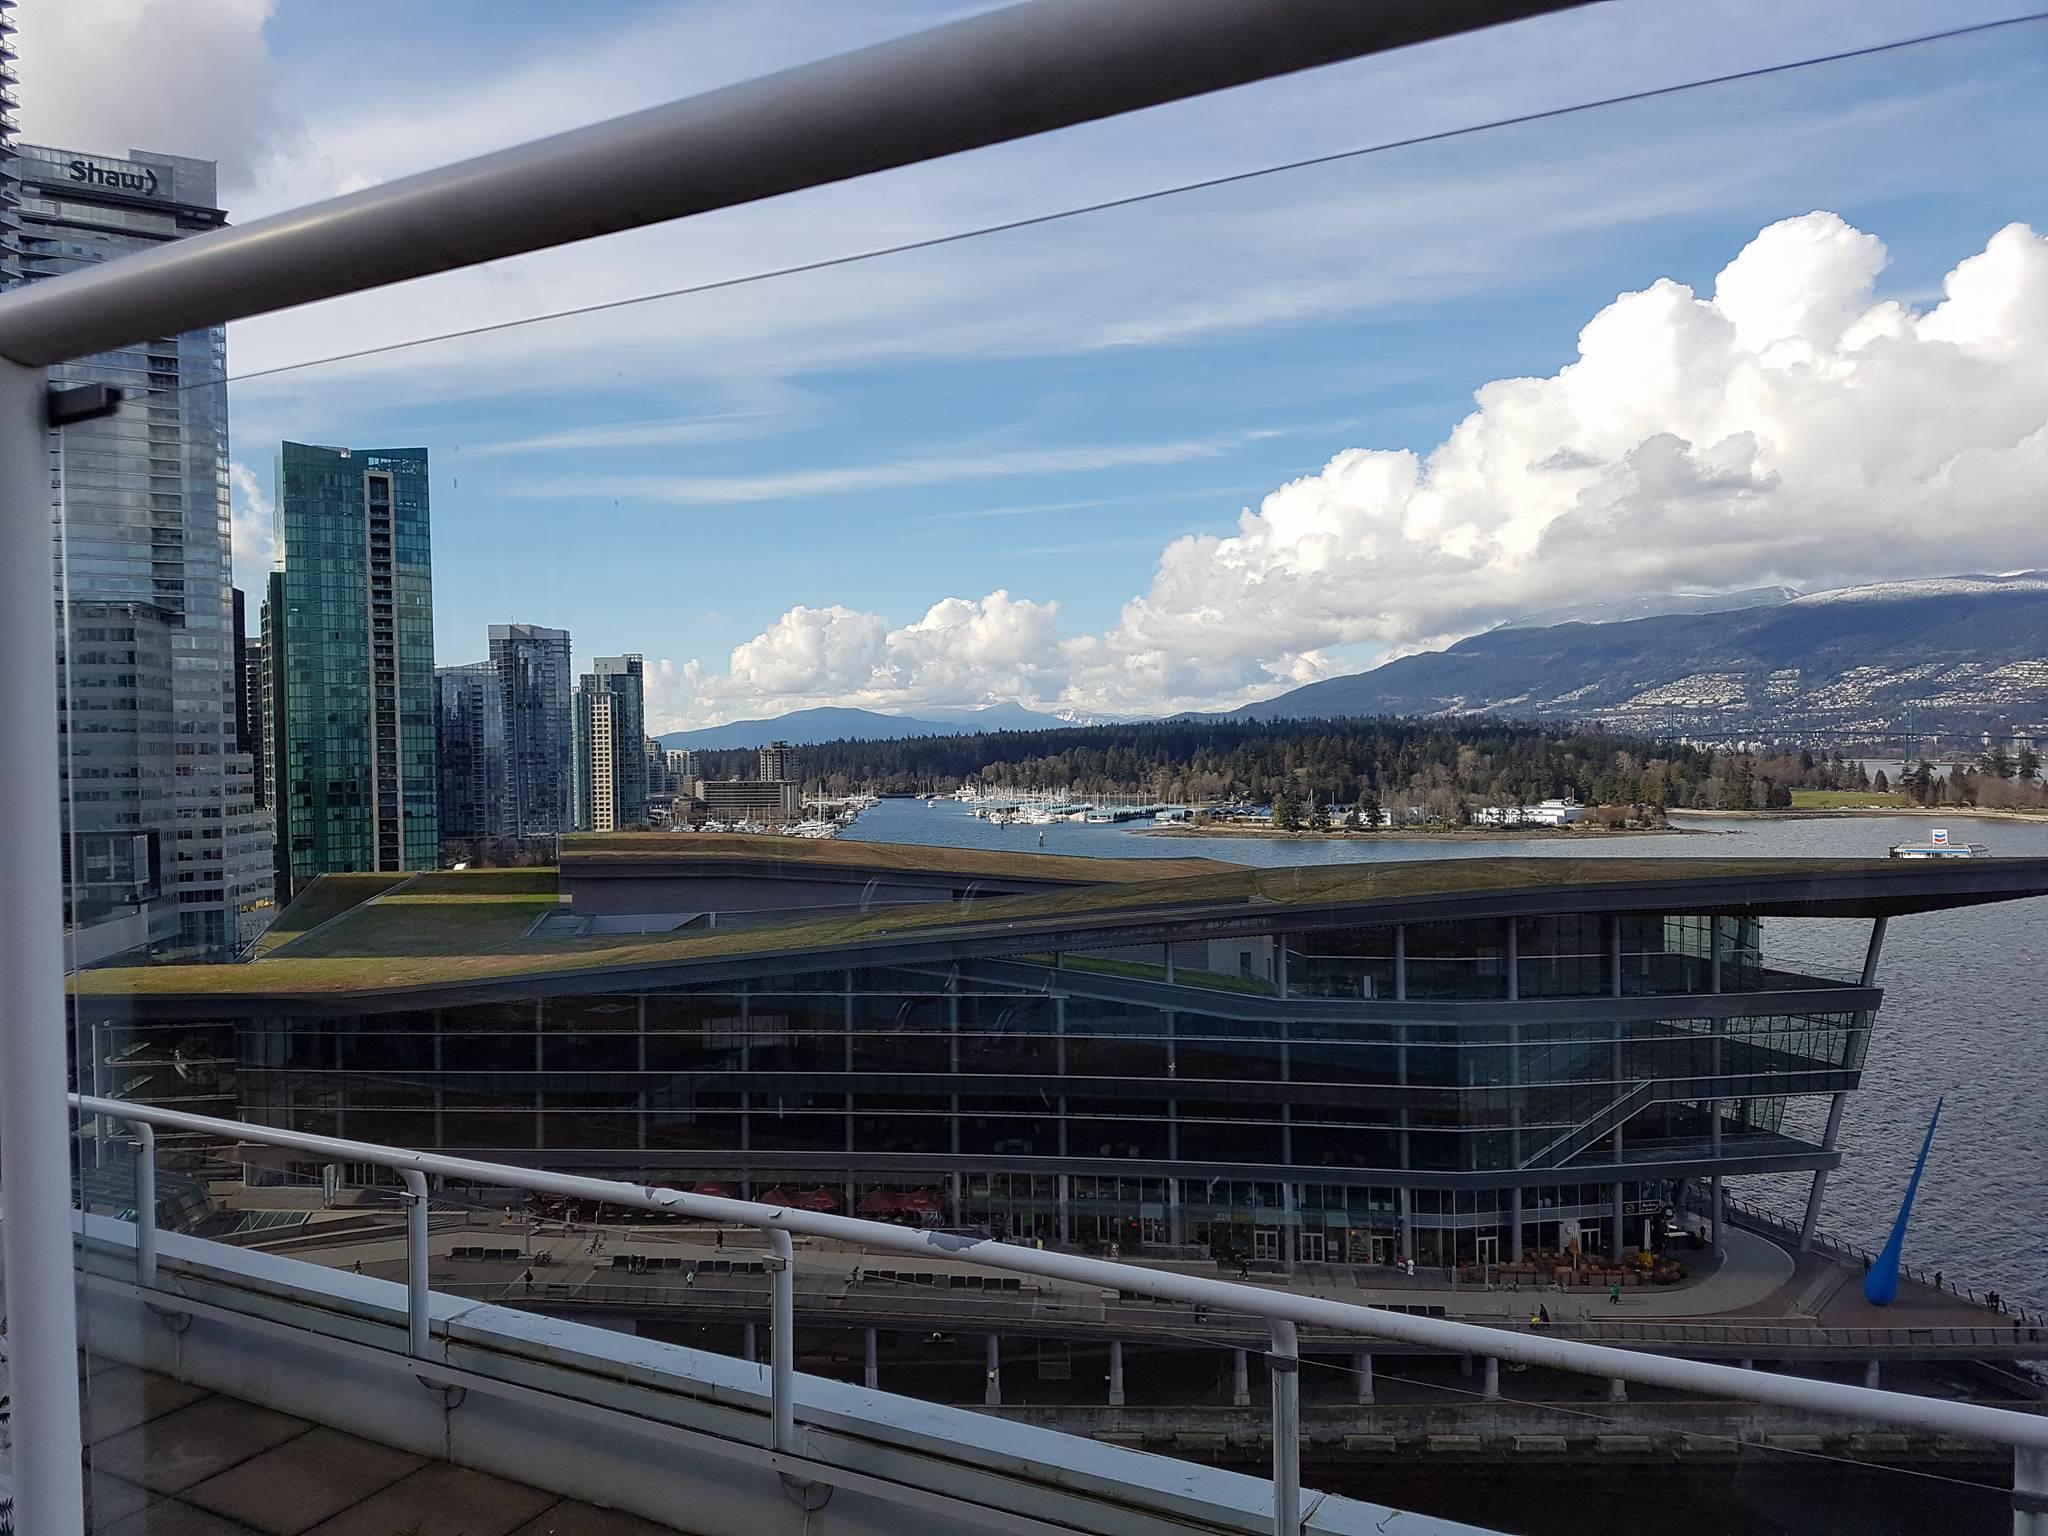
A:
1285	1363
35	1131
782	1338
416	1291
2029	1491
145	1204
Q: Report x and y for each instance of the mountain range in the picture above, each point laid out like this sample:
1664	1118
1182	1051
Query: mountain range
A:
806	727
1968	653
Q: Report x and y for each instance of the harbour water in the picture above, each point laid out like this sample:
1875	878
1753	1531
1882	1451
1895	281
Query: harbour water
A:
1966	998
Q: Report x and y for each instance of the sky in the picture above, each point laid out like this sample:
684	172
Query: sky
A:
1789	330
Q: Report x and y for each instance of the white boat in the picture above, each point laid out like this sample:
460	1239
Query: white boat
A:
1939	846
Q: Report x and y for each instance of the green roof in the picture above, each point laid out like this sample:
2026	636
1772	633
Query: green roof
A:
455	928
910	858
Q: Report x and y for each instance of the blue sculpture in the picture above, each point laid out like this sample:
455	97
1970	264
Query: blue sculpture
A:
1881	1285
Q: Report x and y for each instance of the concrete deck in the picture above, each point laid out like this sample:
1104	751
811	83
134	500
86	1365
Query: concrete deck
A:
167	1459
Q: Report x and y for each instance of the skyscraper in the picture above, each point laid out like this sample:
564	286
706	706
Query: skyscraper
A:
10	181
534	670
142	506
611	758
349	631
470	733
774	761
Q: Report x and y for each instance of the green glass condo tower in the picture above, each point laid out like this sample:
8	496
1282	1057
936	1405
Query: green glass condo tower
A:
349	631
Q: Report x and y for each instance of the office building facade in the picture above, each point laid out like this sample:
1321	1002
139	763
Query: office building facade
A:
142	498
471	744
535	674
349	636
10	180
774	760
610	745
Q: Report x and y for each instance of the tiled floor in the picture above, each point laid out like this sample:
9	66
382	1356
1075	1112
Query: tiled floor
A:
166	1459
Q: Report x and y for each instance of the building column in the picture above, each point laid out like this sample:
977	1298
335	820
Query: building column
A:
1290	1227
992	1391
1515	1224
1811	1221
1617	1390
540	1076
1614	955
1059	1066
1062	1191
953	1193
1405	1199
1400	962
1240	1380
639	1065
1116	1373
871	1371
847	1025
1714	1205
1176	1215
440	1082
1361	1369
1490	1390
747	1346
1870	1374
1620	1224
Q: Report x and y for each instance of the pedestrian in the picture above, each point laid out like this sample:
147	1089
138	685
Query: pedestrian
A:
718	1238
1544	1313
528	1278
1244	1268
1614	1294
1937	1279
358	1266
1535	1320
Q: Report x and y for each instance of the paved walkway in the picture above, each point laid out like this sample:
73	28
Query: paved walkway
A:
168	1459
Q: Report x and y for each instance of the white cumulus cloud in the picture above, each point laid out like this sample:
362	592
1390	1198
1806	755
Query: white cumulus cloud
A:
1786	427
253	525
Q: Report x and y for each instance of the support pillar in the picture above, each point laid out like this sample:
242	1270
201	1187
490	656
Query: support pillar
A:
1361	1369
35	1134
1870	1374
1116	1373
1061	1195
1464	1365
752	1355
1240	1380
1811	1222
1406	1199
1515	1224
1491	1390
1617	1390
2029	1491
1285	1368
1715	1211
1620	1221
992	1391
871	1371
782	1340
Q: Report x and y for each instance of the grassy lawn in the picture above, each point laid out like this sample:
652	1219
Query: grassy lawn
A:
1846	799
835	853
328	896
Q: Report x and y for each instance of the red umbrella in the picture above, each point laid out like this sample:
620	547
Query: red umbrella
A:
921	1201
776	1196
880	1202
715	1189
819	1199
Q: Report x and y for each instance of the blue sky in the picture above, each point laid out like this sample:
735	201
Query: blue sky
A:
770	488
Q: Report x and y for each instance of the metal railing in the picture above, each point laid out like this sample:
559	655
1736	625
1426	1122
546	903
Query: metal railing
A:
1282	1312
1759	1220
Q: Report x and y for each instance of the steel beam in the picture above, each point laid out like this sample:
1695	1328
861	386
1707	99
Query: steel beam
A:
1009	74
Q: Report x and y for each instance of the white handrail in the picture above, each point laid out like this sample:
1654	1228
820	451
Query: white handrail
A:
1998	1426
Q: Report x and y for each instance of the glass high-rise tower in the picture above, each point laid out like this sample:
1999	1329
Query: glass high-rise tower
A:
164	840
533	667
349	638
611	753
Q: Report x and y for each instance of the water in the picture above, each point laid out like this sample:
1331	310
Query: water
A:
1966	992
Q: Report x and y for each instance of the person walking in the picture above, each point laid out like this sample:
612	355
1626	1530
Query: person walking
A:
1614	1294
528	1278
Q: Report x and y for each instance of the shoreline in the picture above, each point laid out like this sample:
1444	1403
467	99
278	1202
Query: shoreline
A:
1936	813
1415	835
